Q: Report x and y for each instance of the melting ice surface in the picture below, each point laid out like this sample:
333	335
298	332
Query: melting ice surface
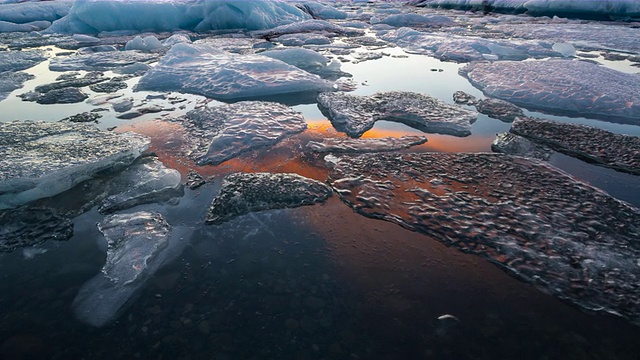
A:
317	281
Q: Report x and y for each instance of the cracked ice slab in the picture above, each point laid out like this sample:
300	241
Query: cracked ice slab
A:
620	152
243	193
346	145
41	159
355	115
217	134
205	70
561	87
135	243
527	217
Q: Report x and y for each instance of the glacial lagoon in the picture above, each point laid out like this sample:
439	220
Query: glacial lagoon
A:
319	180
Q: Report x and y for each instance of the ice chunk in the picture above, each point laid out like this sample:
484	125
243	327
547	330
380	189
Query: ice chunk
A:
176	39
355	115
308	26
509	143
560	86
307	60
536	222
95	16
146	44
303	39
620	152
30	26
417	20
147	181
100	61
346	145
40	159
135	245
26	227
10	81
322	11
68	95
204	70
88	79
242	193
34	11
20	60
220	133
565	49
498	109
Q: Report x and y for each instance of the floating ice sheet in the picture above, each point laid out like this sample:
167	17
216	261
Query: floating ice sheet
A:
346	145
20	60
10	81
509	143
26	227
309	26
620	152
355	115
242	193
494	108
40	159
100	61
135	243
561	87
220	133
307	60
534	221
205	70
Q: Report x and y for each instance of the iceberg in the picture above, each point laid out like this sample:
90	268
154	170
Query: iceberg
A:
204	70
355	115
560	87
30	26
243	193
41	159
217	134
97	16
532	220
24	13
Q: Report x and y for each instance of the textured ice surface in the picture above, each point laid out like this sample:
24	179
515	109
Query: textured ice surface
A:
147	181
205	70
34	11
242	193
509	143
574	8
620	152
307	60
95	16
68	95
20	60
346	145
217	134
494	108
309	26
355	115
26	227
40	159
100	61
134	242
302	39
322	11
417	20
575	88
88	79
534	221
587	36
10	81
451	47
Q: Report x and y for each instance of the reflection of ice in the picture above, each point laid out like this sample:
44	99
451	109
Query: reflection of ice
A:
138	245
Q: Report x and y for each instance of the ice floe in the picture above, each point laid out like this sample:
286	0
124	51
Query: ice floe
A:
509	143
536	222
307	60
616	151
346	145
355	115
309	26
10	81
217	134
25	227
574	88
242	193
494	108
20	60
40	159
205	70
101	61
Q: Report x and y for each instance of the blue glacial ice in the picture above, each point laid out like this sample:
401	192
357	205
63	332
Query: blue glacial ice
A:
205	70
96	16
31	16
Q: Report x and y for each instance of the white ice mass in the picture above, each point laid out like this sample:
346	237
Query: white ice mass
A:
204	70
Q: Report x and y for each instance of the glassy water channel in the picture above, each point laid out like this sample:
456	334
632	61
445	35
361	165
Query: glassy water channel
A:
315	282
